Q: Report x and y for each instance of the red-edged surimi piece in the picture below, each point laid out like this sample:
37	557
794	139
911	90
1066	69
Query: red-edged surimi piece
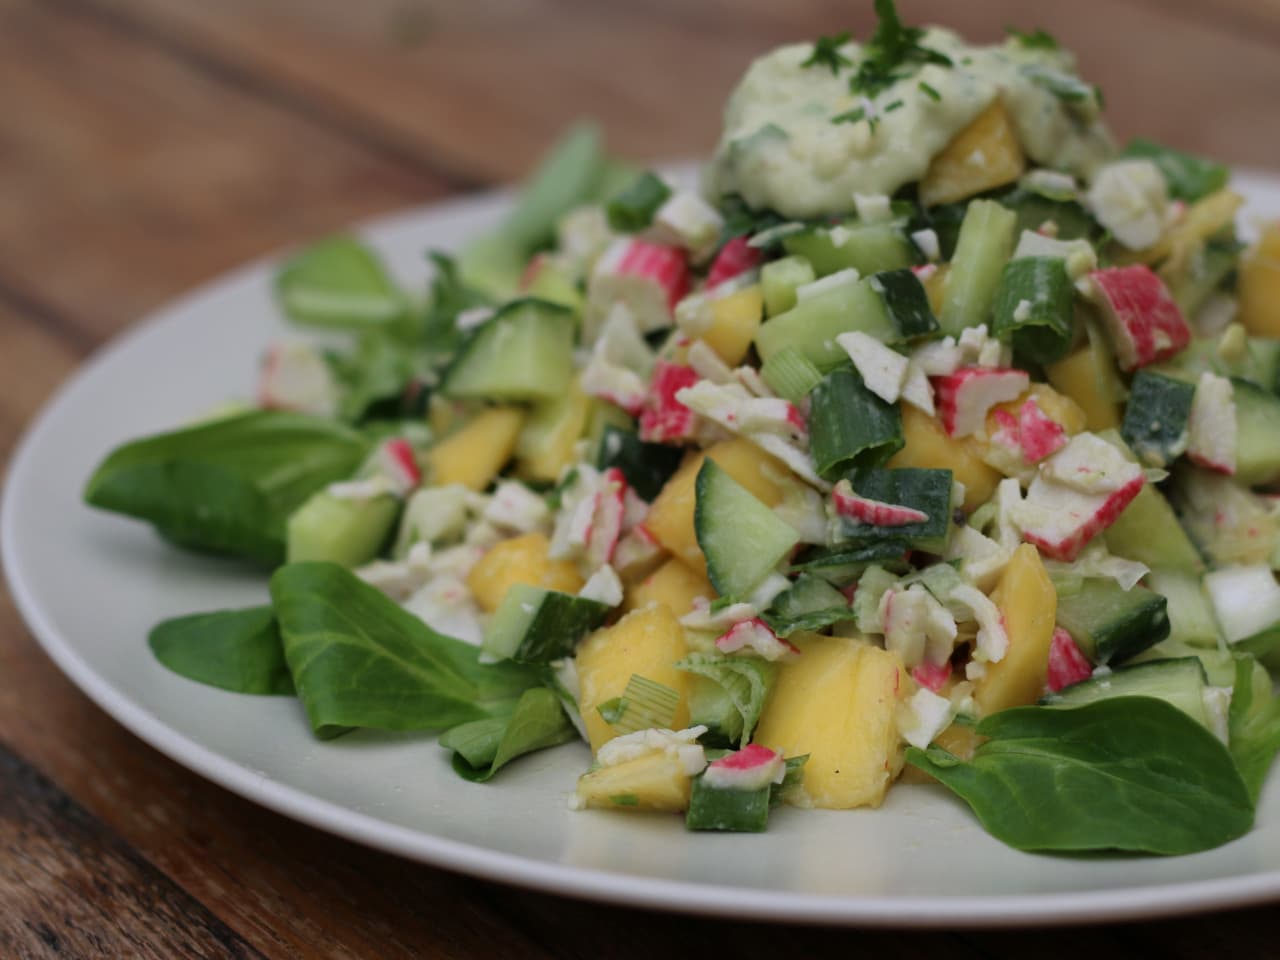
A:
965	397
1140	313
1039	435
664	418
756	636
1067	665
736	257
396	461
875	513
751	768
933	676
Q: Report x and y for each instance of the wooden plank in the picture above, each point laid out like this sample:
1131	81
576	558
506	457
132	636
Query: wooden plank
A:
35	360
488	85
129	176
71	888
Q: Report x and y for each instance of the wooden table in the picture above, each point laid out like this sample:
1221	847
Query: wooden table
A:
146	145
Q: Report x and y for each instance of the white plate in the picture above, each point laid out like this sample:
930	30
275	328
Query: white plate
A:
90	585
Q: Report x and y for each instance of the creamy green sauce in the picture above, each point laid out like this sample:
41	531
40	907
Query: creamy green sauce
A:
781	151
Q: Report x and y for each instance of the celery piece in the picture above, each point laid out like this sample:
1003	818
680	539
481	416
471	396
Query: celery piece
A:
780	279
984	247
790	374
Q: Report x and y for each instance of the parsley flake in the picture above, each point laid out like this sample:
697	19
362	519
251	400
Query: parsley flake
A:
850	116
826	53
896	105
893	53
1038	39
929	91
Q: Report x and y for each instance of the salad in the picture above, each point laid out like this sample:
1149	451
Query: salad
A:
932	442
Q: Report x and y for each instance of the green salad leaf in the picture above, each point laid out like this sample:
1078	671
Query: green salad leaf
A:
237	650
1254	724
733	693
229	485
1128	773
1189	177
339	283
483	747
359	660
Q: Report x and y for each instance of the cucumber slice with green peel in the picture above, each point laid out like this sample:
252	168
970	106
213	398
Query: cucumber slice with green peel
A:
845	563
742	539
646	466
779	281
790	374
1257	433
984	247
1156	418
524	352
734	811
810	603
1110	624
866	247
537	625
1180	683
1191	618
906	302
813	324
1205	274
1034	308
344	531
849	426
926	490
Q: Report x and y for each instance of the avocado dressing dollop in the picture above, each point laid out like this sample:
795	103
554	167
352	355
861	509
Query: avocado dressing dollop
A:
781	150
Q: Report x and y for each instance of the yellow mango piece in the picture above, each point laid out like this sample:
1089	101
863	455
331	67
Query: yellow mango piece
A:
927	445
670	517
1259	285
984	155
935	287
837	702
520	560
545	445
1026	598
473	455
654	781
1079	377
647	642
734	322
1183	240
675	584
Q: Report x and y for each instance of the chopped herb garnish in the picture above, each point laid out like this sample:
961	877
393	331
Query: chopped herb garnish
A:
930	92
893	54
1037	39
1064	86
896	105
850	116
826	53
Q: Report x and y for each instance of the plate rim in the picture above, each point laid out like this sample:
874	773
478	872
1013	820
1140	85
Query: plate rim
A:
593	884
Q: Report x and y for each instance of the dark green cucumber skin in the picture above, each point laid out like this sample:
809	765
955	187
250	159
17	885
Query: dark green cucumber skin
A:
1257	433
850	426
647	466
919	488
734	811
907	304
560	622
1139	619
1046	333
1179	679
1156	417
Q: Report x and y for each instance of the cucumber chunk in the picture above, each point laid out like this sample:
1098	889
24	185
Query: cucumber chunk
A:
866	247
1257	433
1156	418
1180	683
737	811
779	281
813	324
742	539
338	530
524	352
537	625
1110	624
1191	618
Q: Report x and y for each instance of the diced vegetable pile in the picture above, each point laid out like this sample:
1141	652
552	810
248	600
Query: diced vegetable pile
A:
984	480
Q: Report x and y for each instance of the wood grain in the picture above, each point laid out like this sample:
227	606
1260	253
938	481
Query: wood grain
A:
490	81
148	144
71	888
